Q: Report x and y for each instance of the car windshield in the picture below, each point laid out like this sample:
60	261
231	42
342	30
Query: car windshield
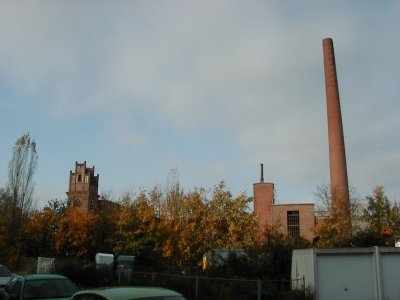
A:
49	288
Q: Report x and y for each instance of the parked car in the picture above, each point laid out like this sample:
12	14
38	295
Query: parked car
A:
39	286
5	276
128	293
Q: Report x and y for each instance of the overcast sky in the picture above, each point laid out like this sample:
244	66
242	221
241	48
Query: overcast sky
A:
209	88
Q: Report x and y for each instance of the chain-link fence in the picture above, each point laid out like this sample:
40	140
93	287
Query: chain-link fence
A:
86	275
211	288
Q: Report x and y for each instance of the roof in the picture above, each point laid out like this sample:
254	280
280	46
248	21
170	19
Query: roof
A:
124	293
4	271
293	204
105	255
42	276
126	258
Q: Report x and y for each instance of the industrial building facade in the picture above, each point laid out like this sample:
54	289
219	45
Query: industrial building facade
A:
295	219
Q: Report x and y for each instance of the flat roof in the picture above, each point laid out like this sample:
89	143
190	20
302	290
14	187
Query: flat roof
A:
303	203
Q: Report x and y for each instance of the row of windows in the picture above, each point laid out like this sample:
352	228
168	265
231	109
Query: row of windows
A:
79	178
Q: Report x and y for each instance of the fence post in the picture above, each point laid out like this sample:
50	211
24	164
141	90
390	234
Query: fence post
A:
258	289
197	287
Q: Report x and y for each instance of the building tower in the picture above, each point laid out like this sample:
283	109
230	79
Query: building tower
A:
83	187
263	194
337	156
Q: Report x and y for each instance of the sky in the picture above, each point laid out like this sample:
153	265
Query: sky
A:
208	89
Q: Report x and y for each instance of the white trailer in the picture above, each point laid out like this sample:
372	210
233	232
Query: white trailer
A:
104	260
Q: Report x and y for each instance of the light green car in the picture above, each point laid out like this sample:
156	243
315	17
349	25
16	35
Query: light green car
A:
128	293
39	286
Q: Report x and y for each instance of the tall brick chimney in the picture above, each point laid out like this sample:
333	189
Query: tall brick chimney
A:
337	156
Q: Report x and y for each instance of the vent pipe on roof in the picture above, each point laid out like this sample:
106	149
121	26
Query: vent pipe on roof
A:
262	173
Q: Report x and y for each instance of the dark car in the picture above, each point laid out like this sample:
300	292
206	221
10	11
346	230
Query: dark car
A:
5	276
128	293
39	286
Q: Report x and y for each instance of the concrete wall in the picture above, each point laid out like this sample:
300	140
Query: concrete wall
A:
348	273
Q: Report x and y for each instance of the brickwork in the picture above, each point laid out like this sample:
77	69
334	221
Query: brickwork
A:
263	195
306	214
270	214
83	187
337	156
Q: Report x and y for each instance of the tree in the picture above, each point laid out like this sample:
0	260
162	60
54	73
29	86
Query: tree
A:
228	219
333	228
17	197
381	221
40	229
137	228
272	259
21	170
78	234
182	233
5	200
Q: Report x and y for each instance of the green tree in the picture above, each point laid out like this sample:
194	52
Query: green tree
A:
272	260
137	228
381	221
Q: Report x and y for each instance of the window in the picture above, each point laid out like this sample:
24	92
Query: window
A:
79	178
49	289
293	223
14	287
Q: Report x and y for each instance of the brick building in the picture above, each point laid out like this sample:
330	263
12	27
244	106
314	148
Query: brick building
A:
295	219
83	189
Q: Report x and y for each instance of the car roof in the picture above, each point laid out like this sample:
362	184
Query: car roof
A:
4	268
43	276
127	293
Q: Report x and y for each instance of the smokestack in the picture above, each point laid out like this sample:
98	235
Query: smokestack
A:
262	173
337	156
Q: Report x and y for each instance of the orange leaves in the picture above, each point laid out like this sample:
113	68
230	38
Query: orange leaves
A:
78	233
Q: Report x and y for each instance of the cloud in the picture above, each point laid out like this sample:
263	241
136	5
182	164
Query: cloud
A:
165	78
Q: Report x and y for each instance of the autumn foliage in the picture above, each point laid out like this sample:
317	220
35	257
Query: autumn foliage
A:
374	222
171	229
